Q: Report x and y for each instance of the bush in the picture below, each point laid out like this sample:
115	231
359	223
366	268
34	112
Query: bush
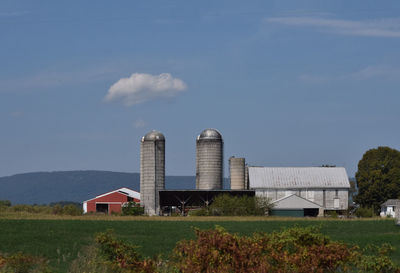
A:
365	212
292	250
5	203
57	209
131	208
89	261
31	209
71	210
227	205
199	212
120	256
332	214
23	263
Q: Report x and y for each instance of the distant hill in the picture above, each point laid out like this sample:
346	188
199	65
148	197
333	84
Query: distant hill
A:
77	186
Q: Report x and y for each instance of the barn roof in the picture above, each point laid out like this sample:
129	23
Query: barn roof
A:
298	177
125	191
391	202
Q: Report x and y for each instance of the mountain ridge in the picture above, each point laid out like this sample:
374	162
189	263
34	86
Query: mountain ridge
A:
77	186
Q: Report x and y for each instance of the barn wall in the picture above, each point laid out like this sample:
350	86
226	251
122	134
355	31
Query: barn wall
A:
109	198
322	197
114	208
91	206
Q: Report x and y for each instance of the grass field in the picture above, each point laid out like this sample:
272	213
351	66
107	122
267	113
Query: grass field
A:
60	239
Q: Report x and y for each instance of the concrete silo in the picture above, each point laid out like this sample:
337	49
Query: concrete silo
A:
237	173
209	160
152	171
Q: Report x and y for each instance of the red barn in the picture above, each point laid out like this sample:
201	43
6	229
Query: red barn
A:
111	201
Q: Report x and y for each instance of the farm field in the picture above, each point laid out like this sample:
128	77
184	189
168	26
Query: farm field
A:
60	239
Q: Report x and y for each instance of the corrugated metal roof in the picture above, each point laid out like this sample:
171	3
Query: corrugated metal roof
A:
391	202
298	177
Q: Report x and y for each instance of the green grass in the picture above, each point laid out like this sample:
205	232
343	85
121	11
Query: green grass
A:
61	240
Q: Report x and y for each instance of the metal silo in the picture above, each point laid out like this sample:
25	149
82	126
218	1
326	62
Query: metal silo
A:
237	173
152	171
246	178
209	160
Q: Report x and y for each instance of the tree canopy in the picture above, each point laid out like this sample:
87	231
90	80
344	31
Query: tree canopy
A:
378	177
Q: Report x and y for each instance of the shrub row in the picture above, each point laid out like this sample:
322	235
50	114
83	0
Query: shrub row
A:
227	205
216	250
59	209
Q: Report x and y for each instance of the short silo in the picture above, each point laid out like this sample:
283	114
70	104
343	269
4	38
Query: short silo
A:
152	171
209	160
237	173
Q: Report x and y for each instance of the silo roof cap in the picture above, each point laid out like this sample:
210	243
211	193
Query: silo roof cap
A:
210	134
153	136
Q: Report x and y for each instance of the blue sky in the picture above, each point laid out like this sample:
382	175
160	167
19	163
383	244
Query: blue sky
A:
287	83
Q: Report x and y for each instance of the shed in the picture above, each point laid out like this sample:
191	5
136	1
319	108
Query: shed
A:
294	205
389	208
111	201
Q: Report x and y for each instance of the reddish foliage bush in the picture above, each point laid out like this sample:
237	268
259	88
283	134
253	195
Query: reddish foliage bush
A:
23	263
122	257
292	250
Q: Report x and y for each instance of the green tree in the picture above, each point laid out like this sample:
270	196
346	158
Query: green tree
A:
5	203
378	177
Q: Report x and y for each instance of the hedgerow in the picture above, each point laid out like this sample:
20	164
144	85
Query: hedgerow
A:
216	250
227	205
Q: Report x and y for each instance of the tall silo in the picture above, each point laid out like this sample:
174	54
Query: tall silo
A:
237	173
246	177
209	160
152	171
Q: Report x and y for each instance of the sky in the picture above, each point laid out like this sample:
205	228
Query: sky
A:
287	83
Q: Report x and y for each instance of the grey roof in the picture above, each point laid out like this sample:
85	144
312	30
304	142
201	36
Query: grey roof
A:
391	202
294	202
299	177
153	136
210	134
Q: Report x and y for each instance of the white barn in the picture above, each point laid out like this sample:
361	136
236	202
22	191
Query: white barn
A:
326	187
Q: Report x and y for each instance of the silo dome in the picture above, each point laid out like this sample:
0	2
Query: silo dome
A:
153	136
210	134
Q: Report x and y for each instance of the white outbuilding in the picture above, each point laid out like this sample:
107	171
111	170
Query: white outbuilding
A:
389	208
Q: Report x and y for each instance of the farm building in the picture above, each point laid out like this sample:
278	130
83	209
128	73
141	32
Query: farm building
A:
389	208
301	190
293	205
111	201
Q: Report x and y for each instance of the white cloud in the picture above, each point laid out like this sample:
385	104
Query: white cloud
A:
375	71
370	72
140	87
371	28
